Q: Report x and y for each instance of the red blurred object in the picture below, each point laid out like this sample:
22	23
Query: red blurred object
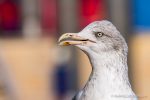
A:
9	16
92	10
48	15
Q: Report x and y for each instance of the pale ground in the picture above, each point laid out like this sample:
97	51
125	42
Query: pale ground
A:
140	65
29	65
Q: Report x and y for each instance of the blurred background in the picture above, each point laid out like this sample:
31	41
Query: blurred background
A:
33	67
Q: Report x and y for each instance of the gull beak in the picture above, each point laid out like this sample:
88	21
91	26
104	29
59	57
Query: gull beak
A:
72	39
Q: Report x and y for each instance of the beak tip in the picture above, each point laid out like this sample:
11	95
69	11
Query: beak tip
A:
59	43
59	40
63	43
63	37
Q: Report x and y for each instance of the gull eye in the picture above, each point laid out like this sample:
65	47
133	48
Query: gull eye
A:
99	34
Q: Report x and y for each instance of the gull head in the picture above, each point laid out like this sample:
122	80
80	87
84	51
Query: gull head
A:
97	37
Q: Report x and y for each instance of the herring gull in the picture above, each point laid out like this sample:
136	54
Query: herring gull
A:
107	51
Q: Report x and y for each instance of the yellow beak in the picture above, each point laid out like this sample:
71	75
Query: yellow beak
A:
72	39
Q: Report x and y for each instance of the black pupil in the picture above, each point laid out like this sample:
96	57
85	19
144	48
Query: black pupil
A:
99	34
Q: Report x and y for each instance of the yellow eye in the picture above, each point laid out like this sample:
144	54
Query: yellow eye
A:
99	34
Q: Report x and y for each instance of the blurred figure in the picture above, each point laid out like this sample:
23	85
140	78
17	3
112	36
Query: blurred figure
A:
62	75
